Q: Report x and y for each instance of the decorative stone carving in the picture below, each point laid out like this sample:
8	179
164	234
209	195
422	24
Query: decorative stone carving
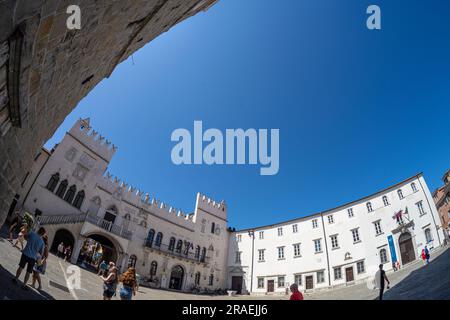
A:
80	172
70	154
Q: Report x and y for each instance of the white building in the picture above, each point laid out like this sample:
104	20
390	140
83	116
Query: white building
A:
78	202
336	247
75	199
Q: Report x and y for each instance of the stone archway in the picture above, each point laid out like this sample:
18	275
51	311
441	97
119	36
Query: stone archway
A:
406	246
176	277
97	247
62	236
46	68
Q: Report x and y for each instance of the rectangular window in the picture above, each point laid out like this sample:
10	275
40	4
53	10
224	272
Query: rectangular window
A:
355	234
280	252
334	241
360	267
298	279
318	245
314	223
238	256
211	279
280	282
330	219
261	255
261	235
280	232
294	228
338	273
260	283
297	250
239	238
350	212
320	277
377	225
420	207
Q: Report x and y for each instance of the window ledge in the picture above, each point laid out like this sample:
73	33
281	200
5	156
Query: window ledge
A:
281	258
317	252
299	256
422	214
355	242
261	260
379	234
336	248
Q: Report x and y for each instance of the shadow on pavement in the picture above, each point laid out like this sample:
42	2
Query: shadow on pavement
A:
11	291
427	283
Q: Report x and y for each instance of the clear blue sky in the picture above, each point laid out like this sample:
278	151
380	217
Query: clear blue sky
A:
357	110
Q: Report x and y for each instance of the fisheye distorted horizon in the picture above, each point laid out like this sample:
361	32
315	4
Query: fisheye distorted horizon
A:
357	110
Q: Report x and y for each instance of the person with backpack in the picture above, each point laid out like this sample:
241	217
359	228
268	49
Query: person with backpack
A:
41	267
110	282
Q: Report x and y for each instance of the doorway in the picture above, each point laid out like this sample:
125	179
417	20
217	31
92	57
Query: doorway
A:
406	248
236	284
270	285
349	276
176	278
309	280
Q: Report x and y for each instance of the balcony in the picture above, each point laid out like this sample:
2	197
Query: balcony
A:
109	226
164	249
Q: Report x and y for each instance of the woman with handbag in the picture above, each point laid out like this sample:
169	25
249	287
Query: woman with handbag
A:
41	265
110	282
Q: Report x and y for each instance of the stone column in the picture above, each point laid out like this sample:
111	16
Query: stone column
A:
77	249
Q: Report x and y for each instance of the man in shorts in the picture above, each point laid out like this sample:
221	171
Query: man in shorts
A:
32	251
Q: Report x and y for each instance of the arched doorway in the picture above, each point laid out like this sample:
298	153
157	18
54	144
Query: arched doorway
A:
62	236
176	278
97	248
406	248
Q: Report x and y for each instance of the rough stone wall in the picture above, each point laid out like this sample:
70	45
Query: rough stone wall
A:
58	66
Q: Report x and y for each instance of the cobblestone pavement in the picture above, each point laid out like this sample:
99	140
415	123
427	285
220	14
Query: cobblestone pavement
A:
415	281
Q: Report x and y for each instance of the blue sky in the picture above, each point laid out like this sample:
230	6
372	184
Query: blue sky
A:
357	110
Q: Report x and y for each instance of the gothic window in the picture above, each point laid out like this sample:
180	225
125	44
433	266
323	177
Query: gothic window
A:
150	237
132	261
179	246
197	252
383	256
197	278
186	248
79	199
172	244
54	179
385	201
413	187
62	188
203	256
70	194
158	240
153	268
369	207
400	194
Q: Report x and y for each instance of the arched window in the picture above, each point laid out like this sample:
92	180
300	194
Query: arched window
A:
132	261
111	214
70	194
179	246
369	207
203	256
213	227
197	278
413	187
172	244
383	256
54	179
385	201
400	194
150	237
428	237
62	188
197	252
158	240
153	269
79	199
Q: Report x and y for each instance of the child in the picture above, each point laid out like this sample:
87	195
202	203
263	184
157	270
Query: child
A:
296	294
21	237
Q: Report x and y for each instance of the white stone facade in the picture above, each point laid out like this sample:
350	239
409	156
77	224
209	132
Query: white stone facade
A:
337	247
81	160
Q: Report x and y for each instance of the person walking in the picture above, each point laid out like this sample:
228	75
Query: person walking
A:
34	248
296	294
110	282
21	237
129	284
61	250
15	226
423	256
102	268
40	268
427	254
383	278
